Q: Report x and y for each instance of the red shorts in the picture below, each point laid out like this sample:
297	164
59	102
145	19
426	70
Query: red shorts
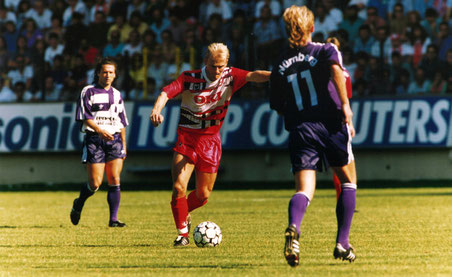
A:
203	150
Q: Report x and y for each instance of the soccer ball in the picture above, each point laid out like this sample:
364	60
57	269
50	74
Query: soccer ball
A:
207	234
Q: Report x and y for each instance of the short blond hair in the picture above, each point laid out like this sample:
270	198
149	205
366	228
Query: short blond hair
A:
217	48
299	22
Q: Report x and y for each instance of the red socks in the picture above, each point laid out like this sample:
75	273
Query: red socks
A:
194	202
179	207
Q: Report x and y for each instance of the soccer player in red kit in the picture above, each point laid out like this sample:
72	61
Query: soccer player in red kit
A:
206	94
331	86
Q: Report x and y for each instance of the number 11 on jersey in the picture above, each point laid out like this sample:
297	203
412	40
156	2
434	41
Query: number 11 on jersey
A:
293	80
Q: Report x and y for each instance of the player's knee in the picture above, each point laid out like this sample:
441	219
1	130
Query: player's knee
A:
203	194
179	189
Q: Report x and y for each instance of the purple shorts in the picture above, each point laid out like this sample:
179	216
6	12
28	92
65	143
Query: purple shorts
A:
97	150
314	145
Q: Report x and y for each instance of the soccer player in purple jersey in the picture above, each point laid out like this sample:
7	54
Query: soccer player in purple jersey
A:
101	109
320	126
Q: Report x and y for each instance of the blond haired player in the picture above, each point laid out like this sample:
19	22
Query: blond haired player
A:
319	121
206	94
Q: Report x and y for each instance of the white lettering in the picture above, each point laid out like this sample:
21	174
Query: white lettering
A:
398	121
276	138
232	121
256	136
382	108
440	121
170	125
418	119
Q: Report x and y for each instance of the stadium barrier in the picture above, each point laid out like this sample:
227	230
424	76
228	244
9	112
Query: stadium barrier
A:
396	139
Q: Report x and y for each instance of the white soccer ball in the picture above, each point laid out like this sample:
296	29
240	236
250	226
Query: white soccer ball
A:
207	234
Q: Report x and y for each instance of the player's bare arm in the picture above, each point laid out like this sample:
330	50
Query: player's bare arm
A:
105	135
339	82
124	143
160	103
258	76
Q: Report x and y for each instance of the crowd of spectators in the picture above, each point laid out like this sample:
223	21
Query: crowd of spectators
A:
48	47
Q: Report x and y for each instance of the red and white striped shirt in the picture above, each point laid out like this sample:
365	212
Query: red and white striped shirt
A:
204	102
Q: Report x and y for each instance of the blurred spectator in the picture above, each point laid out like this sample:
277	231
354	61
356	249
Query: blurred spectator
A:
136	22
22	49
158	68
52	93
360	88
333	12
413	19
58	72
267	38
439	85
382	47
137	71
22	12
148	46
446	67
237	45
381	7
78	71
403	83
431	22
219	7
444	40
398	21
177	28
20	72
98	31
11	5
160	23
75	33
74	6
348	61
58	7
56	26
5	16
217	27
99	6
420	84
398	65
418	40
22	93
4	55
31	31
191	49
134	6
374	20
11	34
275	8
40	14
89	52
118	7
54	48
378	78
323	23
169	48
351	23
365	40
430	62
114	47
449	86
40	67
122	26
404	49
6	94
134	44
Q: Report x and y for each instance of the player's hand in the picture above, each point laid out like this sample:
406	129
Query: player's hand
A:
348	118
156	119
105	135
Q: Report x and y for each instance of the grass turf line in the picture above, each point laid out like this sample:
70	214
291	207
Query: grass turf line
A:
397	232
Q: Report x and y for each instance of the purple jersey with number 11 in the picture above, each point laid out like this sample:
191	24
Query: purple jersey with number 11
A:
299	85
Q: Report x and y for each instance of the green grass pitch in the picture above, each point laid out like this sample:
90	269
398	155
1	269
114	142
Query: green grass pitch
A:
396	232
